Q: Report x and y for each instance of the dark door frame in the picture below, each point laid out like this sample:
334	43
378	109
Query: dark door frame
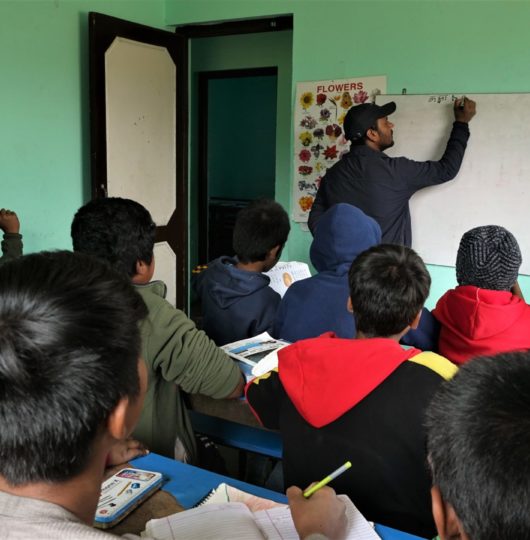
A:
102	31
227	28
176	231
202	144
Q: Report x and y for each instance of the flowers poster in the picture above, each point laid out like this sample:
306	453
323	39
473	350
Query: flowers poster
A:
319	142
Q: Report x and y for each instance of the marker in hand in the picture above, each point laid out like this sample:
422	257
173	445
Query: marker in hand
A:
462	102
327	480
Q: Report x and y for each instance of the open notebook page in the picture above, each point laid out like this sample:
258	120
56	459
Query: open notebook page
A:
278	523
234	521
209	522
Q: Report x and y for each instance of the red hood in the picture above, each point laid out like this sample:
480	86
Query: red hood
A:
326	376
474	313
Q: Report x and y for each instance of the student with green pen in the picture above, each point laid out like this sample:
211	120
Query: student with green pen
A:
478	441
362	399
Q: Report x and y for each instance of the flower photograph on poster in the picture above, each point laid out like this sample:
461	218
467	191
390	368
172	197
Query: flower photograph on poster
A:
320	109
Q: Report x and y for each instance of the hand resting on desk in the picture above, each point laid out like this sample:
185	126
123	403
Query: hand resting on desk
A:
321	514
125	450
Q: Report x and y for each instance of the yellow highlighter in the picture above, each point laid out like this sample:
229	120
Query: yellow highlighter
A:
327	480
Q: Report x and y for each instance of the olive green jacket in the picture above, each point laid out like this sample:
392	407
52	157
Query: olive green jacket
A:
180	358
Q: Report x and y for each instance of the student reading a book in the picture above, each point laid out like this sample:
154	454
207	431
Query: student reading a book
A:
72	383
236	299
317	304
179	357
479	450
362	399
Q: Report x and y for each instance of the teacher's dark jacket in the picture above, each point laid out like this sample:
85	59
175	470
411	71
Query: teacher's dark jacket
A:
381	186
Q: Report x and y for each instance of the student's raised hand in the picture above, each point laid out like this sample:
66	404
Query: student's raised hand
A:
322	513
9	221
124	451
465	109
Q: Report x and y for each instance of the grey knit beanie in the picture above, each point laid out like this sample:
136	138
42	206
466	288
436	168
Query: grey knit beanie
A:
488	257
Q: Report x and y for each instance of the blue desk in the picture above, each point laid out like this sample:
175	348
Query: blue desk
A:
189	484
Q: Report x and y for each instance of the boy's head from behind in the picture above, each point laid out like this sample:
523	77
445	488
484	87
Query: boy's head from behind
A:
69	348
479	450
388	287
261	227
119	231
489	258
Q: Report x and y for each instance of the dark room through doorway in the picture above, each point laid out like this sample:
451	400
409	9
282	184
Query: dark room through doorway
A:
237	150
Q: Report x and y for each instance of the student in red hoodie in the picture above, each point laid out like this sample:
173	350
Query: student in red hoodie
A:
362	399
486	314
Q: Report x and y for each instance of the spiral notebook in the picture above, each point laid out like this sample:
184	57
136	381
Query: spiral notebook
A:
225	493
235	521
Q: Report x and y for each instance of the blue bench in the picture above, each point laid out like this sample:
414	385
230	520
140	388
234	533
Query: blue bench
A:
227	433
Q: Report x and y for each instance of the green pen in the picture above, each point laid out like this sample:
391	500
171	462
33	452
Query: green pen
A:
327	480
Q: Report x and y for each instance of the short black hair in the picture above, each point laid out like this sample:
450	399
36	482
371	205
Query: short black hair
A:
259	227
479	445
388	287
119	231
69	348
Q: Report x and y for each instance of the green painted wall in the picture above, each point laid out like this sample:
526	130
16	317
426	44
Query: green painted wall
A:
44	133
423	46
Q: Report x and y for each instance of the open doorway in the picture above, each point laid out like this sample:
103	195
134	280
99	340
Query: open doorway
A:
242	151
230	45
236	150
247	78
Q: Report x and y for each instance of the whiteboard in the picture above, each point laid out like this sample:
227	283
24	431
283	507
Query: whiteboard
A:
492	186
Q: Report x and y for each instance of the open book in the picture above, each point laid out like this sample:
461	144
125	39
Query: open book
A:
285	273
235	521
252	350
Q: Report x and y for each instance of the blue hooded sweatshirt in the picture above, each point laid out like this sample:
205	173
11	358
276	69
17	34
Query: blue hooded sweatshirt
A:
317	304
236	304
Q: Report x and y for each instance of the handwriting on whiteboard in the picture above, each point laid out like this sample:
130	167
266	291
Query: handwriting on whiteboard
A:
447	98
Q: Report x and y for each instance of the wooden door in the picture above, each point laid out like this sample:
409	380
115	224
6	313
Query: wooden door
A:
138	117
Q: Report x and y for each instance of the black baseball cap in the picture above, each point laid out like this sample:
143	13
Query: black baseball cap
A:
360	118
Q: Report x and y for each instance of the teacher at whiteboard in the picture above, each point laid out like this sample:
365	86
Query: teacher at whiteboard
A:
382	186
